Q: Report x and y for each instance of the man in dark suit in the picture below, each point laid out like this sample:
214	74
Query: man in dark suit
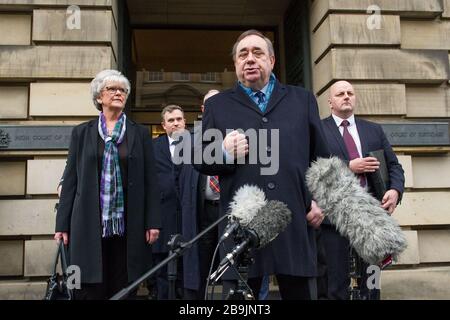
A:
200	196
172	120
351	139
288	117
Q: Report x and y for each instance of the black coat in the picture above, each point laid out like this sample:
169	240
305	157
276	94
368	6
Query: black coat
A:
293	111
79	209
167	175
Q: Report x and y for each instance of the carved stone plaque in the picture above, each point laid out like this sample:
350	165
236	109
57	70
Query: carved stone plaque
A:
34	137
417	134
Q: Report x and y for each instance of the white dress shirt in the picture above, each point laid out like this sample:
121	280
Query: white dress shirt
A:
352	129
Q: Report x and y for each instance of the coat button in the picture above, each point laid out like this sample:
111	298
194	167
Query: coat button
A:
271	185
265	120
268	149
130	184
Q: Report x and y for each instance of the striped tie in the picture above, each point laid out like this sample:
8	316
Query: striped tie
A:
214	184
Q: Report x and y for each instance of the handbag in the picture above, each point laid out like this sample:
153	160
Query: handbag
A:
57	288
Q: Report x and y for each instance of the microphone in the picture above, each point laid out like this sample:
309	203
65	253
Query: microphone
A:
357	216
246	202
269	221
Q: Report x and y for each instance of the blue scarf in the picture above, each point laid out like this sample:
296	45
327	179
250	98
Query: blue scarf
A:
249	91
111	189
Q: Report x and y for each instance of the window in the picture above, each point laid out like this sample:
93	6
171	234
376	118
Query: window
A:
181	76
210	77
155	76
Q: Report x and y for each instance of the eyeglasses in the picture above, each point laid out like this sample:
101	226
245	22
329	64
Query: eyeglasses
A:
113	90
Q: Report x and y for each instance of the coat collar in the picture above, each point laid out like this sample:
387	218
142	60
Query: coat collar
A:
278	93
164	147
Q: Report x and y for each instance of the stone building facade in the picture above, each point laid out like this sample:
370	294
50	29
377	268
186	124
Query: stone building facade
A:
398	59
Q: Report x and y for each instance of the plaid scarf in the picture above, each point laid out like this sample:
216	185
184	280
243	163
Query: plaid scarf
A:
111	190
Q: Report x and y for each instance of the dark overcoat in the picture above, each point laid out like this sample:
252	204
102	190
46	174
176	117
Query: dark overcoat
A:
166	177
293	112
79	208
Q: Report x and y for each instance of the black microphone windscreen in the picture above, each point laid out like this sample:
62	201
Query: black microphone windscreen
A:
270	221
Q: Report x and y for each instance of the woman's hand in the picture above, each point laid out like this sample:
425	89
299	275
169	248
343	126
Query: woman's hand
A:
63	235
151	235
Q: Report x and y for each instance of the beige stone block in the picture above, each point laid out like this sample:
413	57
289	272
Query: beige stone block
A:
61	99
53	61
406	162
324	72
372	99
55	3
429	172
416	284
408	66
115	10
427	102
426	34
95	26
446	13
22	290
20	23
14	102
11	263
51	25
27	217
39	257
424	209
380	99
352	29
416	8
405	8
434	246
322	102
318	13
12	177
411	253
44	175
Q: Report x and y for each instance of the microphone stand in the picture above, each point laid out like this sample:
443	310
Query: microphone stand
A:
241	292
176	252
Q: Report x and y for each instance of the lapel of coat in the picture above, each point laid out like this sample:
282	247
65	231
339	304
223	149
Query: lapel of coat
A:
278	93
333	128
362	132
93	138
131	134
240	96
165	148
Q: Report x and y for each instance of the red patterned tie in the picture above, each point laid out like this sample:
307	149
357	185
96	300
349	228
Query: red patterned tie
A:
352	149
214	184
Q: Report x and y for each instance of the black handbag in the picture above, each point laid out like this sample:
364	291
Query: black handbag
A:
57	284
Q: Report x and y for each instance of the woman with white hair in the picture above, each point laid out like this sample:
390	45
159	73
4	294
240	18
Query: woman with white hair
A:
108	212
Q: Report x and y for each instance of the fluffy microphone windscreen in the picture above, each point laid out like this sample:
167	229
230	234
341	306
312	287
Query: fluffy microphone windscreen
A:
246	202
358	216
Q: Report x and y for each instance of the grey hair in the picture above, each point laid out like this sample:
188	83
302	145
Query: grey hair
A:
252	32
100	81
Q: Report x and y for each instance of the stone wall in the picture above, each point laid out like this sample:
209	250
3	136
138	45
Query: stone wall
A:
46	63
398	62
